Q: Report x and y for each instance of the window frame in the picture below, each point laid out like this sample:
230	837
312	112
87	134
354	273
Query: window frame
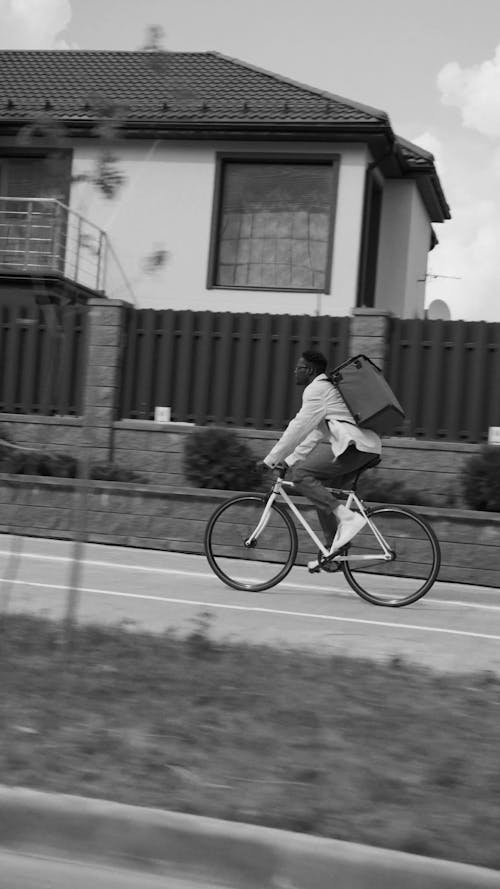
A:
11	152
222	158
370	240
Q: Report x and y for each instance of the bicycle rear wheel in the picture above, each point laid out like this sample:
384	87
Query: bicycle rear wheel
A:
267	560
415	562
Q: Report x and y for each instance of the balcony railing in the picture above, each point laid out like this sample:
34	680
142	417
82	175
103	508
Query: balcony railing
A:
43	236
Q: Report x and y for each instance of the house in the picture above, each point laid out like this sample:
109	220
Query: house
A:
261	193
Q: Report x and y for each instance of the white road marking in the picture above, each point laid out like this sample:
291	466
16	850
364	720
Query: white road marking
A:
259	610
208	575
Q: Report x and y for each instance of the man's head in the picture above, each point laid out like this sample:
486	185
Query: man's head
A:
309	366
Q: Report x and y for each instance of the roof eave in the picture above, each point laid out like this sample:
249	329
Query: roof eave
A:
197	129
432	195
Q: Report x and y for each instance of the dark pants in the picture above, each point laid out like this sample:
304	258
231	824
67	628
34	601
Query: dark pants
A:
320	467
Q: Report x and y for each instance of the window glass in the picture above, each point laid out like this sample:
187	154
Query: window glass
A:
32	231
274	225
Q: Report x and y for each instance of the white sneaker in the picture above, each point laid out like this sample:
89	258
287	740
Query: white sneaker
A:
349	525
313	567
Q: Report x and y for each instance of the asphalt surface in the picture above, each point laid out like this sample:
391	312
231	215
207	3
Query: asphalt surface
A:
454	628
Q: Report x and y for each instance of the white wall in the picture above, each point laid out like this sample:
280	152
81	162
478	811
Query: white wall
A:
167	203
420	242
405	235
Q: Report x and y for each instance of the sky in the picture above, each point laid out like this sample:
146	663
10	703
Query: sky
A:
433	66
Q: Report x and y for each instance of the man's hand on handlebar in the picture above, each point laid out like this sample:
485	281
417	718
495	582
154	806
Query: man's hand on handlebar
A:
280	468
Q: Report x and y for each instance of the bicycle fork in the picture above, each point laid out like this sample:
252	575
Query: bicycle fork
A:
262	523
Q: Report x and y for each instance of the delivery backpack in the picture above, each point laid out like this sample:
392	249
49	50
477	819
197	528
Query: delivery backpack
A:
368	395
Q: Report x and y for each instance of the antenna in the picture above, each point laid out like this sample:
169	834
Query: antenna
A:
432	275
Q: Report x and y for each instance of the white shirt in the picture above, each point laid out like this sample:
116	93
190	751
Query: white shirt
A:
324	415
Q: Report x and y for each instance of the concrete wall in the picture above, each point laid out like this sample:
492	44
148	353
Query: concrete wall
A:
432	468
167	202
175	519
156	452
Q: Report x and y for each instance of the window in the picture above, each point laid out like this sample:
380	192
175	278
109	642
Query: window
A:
370	242
32	231
273	224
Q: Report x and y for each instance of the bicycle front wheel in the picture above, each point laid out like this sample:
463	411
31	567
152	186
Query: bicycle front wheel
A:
414	564
266	560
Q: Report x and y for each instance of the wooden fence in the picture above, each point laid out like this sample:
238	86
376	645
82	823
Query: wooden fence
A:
236	369
226	368
447	377
41	368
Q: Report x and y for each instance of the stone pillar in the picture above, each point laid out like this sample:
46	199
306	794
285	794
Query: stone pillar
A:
370	330
105	331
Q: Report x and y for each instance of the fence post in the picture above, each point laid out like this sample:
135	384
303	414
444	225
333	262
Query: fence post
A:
105	330
369	335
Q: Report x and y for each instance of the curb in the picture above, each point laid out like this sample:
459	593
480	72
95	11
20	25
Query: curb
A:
228	853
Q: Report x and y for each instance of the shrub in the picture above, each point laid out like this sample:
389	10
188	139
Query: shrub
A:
27	461
11	461
377	490
61	465
110	472
21	462
216	458
480	478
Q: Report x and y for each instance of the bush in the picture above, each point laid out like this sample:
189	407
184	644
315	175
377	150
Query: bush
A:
480	478
24	461
216	458
61	465
19	461
27	462
11	461
110	472
380	491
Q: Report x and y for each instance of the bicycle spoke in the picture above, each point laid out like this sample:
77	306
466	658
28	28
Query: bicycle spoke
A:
271	554
414	564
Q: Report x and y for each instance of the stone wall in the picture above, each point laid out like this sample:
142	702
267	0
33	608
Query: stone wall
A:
156	451
432	468
175	519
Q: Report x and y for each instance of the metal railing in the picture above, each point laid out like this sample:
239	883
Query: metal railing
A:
44	236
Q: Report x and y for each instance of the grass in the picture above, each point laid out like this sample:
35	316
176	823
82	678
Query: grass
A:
389	755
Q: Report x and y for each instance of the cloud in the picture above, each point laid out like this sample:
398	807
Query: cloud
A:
466	258
33	24
467	254
434	144
476	91
467	157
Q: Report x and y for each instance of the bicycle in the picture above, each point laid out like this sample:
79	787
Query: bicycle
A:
251	544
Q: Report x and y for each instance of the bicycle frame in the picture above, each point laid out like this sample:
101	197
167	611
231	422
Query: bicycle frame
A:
351	499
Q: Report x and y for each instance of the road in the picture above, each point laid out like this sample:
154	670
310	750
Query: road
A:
454	628
18	871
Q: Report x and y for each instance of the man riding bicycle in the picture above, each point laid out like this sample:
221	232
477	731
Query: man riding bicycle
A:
323	445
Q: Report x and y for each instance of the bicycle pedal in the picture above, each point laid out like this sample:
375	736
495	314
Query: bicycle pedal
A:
313	567
330	567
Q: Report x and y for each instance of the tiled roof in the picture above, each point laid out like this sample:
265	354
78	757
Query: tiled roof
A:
414	155
421	164
172	93
203	87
